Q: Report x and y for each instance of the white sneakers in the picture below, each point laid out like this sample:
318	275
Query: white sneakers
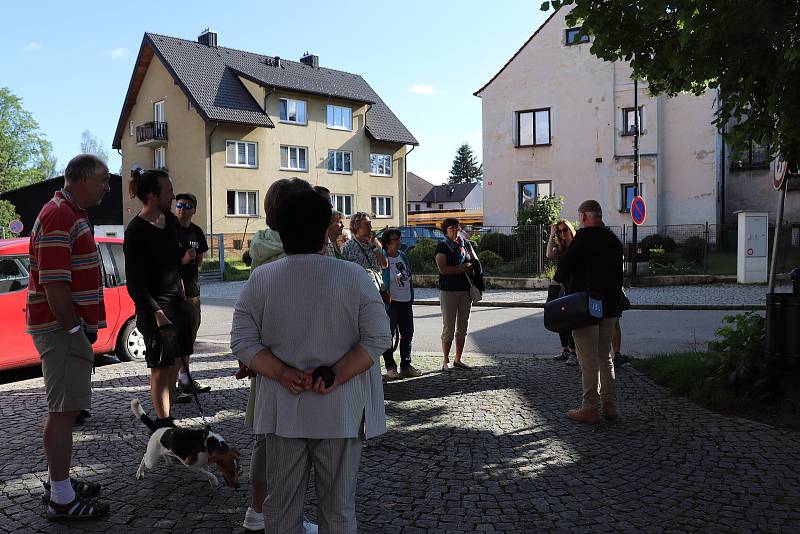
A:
255	521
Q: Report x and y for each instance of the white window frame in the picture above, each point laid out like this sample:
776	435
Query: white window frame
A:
160	157
237	207
332	157
331	112
339	203
289	149
249	146
381	165
296	102
381	207
159	116
131	130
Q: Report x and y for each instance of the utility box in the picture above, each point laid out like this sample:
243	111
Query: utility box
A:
752	247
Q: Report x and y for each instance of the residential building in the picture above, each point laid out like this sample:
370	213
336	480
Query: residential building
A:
228	123
417	188
559	121
454	197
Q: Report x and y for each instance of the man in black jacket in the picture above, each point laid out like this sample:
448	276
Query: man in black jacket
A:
593	262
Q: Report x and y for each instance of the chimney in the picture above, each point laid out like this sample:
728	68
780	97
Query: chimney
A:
310	59
208	38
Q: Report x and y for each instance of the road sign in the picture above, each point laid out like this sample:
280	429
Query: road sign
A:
638	210
16	226
779	174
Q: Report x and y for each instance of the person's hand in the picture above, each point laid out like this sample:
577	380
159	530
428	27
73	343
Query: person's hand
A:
469	268
188	256
161	319
244	372
319	385
553	230
377	243
294	380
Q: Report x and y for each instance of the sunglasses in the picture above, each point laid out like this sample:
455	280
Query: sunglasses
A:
562	230
184	206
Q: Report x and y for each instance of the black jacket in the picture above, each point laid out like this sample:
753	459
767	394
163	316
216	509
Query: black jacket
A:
593	262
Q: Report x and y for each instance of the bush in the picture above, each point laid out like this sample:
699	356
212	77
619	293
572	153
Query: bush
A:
659	241
742	366
658	255
423	256
505	246
490	260
694	249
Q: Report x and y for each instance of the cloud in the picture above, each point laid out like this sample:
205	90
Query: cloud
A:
118	53
421	89
31	47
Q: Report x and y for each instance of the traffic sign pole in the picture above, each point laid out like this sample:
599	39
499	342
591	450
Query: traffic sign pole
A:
779	181
635	173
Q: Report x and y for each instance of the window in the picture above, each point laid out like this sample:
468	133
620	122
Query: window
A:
427	204
340	161
380	164
754	156
441	206
574	36
13	274
340	117
529	192
627	192
243	203
160	158
533	127
241	154
343	203
416	207
158	111
293	111
382	207
131	129
294	158
628	121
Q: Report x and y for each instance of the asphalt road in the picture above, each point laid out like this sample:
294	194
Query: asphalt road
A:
520	331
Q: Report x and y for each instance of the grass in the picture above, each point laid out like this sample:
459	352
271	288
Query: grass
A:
235	268
687	375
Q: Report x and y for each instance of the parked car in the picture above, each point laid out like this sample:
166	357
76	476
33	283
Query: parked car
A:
121	335
409	235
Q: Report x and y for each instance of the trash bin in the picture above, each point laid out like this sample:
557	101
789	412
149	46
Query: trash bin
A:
783	327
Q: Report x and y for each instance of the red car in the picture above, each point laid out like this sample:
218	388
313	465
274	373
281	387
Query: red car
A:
120	337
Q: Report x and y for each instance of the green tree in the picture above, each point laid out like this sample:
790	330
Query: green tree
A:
749	51
92	145
544	211
465	167
26	156
7	214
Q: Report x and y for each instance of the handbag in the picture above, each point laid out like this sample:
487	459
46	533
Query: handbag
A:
624	302
475	292
377	279
571	312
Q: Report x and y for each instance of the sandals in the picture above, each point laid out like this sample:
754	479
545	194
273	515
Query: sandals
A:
83	489
80	508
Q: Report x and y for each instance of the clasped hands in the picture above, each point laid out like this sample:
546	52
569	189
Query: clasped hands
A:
294	380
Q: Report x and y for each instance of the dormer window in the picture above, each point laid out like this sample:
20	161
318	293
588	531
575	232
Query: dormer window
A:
575	36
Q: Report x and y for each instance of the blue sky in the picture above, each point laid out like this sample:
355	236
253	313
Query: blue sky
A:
71	65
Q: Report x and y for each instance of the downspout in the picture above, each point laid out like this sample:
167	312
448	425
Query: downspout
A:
355	200
723	166
404	220
211	184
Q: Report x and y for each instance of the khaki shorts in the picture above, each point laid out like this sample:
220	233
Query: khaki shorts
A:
67	362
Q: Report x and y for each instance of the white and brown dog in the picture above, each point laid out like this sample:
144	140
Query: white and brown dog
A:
195	449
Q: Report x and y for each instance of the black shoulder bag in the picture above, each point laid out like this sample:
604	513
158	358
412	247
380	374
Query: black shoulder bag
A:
574	311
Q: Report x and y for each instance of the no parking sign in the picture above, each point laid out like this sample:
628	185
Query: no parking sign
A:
638	210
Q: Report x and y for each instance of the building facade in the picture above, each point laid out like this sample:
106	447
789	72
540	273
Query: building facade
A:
228	123
559	121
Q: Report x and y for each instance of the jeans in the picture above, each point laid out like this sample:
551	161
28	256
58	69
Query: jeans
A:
401	316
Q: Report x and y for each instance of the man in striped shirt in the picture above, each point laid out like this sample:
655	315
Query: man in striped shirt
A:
64	311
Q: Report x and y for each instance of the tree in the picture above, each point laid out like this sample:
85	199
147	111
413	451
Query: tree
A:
465	167
92	145
542	211
26	156
749	51
7	214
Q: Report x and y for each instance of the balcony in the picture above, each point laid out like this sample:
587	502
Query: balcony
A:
151	134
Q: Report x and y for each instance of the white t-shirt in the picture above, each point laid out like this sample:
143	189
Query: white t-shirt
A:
400	281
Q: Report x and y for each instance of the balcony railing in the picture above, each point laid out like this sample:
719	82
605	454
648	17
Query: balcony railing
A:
151	134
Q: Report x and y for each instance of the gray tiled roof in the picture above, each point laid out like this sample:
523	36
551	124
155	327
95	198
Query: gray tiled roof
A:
449	192
210	75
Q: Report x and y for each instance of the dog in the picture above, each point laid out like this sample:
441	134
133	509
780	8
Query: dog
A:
195	449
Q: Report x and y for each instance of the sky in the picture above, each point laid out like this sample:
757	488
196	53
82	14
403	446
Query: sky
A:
71	63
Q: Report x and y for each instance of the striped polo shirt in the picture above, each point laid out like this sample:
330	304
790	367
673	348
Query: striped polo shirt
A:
62	249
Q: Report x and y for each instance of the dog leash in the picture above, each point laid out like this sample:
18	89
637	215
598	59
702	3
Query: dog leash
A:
185	361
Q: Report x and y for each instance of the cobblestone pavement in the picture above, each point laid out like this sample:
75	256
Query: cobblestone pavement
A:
481	450
710	294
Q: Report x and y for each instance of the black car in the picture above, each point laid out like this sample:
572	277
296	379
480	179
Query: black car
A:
409	235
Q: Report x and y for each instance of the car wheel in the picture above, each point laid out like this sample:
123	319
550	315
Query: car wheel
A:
131	346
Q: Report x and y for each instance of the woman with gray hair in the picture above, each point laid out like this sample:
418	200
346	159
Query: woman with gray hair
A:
332	235
366	250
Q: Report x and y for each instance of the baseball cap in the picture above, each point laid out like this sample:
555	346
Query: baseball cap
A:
188	196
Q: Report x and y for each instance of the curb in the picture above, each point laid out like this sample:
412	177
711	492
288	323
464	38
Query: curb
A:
672	307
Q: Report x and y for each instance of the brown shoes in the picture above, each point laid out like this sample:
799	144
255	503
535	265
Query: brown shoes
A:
609	411
584	415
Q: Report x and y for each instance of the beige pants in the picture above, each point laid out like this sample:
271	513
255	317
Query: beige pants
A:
593	345
67	362
456	306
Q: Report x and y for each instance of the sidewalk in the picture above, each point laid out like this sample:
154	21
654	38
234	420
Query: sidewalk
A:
485	450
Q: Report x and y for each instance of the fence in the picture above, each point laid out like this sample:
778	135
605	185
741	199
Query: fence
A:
225	253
